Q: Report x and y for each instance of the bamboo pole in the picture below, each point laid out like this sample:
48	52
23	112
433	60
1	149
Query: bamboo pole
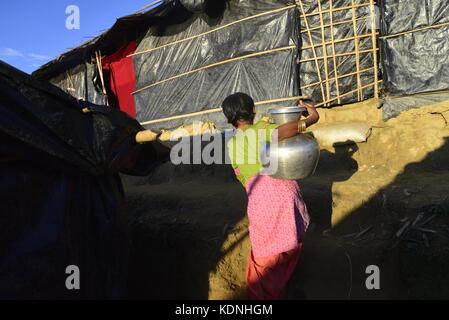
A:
100	71
69	76
189	115
324	48
214	65
374	40
357	55
313	50
337	85
415	30
333	10
213	30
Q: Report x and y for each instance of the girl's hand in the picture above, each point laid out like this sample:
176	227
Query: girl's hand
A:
308	106
312	115
290	129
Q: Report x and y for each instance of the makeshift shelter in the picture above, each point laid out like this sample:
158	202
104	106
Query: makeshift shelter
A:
177	62
62	202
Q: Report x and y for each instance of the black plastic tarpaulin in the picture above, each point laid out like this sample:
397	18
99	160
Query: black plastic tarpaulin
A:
415	46
61	199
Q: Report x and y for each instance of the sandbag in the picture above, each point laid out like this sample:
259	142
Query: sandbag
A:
342	134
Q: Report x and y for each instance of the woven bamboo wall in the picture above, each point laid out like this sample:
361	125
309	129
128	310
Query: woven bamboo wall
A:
339	52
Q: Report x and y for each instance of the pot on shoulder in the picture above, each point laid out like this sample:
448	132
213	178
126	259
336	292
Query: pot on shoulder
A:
294	158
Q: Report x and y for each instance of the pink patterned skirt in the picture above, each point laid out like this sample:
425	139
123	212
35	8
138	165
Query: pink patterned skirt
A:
278	216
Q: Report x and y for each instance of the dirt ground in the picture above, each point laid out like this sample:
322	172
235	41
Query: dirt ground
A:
384	202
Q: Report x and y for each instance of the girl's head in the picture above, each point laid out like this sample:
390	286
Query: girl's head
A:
239	107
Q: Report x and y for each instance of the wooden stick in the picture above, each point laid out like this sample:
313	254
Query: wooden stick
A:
333	10
415	30
326	65
313	50
213	30
189	115
374	40
367	35
357	55
69	77
280	100
348	93
147	6
214	65
341	54
337	23
100	70
338	77
334	52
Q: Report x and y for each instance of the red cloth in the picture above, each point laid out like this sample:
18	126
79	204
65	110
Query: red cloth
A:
267	278
122	77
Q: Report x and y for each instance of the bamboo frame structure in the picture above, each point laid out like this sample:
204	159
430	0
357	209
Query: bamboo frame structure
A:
341	54
323	39
329	38
313	50
337	84
360	36
335	9
194	114
374	41
339	77
331	25
357	49
349	92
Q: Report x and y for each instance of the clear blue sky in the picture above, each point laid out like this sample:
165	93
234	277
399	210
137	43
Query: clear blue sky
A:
33	32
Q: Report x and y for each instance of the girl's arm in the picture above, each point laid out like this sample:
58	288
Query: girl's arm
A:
290	129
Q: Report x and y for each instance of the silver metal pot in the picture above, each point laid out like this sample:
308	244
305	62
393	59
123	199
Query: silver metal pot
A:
295	158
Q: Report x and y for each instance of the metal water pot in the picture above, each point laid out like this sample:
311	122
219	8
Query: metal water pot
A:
296	157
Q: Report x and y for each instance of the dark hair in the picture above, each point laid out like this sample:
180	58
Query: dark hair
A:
239	106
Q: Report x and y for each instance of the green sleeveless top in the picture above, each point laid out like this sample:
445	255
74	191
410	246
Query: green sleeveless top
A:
244	149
